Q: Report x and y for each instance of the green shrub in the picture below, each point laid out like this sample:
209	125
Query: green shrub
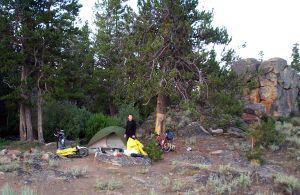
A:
177	186
53	163
27	191
255	154
108	185
295	121
293	153
291	182
244	181
153	150
76	172
266	134
97	122
8	190
294	139
9	167
4	143
124	110
283	119
65	116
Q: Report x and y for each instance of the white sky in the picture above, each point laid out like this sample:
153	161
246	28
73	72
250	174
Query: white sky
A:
271	26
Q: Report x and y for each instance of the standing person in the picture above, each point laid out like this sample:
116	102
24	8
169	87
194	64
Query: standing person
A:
130	127
56	135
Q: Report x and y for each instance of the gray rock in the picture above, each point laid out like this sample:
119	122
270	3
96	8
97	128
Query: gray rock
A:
277	89
257	109
275	65
3	152
193	129
138	179
245	65
147	127
235	132
217	131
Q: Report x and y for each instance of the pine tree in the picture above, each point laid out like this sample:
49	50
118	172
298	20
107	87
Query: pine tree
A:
113	20
71	80
171	54
37	32
296	57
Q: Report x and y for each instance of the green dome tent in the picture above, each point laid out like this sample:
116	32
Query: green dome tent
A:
108	137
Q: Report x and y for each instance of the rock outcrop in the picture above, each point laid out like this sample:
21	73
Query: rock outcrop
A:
277	85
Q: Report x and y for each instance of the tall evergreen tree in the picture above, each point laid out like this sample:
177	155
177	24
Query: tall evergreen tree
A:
295	57
38	31
72	78
114	23
171	54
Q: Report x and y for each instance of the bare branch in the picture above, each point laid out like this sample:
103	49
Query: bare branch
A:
7	83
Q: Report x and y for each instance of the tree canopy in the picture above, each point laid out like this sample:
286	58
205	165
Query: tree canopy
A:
163	54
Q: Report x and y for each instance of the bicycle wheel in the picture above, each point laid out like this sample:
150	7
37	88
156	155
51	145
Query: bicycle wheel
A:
167	147
83	152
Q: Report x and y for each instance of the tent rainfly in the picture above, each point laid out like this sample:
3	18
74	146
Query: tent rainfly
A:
108	137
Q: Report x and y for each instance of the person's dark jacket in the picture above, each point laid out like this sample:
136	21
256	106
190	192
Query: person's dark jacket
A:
130	129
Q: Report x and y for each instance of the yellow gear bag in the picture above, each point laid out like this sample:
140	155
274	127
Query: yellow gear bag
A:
137	145
66	152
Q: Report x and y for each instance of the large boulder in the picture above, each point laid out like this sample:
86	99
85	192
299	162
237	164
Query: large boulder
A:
147	127
277	88
257	109
193	129
245	65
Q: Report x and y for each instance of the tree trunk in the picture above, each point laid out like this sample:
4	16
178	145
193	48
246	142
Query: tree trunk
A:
161	107
22	126
28	123
40	116
25	127
112	109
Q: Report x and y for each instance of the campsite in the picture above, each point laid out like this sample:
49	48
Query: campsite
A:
149	97
213	166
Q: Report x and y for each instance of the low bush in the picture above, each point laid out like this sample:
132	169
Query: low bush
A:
76	172
266	134
53	163
295	121
108	185
9	167
97	122
153	150
66	116
8	190
4	143
177	186
290	182
256	154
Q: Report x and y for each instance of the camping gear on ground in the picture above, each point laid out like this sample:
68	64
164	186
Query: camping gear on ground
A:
60	139
74	152
107	139
164	142
136	155
135	146
170	135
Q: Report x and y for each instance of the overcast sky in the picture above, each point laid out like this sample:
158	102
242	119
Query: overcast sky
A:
271	26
